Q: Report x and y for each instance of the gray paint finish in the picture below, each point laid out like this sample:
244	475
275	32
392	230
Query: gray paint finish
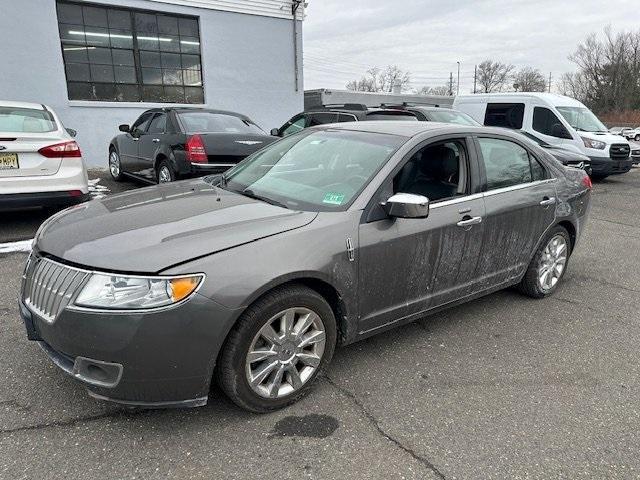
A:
247	63
402	270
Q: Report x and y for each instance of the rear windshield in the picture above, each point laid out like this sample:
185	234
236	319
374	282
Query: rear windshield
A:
208	122
26	120
449	116
392	116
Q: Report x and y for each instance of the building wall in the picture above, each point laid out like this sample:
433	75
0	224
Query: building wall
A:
247	63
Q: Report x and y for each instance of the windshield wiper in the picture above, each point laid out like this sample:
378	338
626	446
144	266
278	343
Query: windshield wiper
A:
211	180
247	192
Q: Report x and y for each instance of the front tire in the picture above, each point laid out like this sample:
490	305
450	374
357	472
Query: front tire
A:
115	167
279	346
548	264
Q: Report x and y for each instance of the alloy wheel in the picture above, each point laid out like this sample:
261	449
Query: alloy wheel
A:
164	175
552	262
114	164
285	353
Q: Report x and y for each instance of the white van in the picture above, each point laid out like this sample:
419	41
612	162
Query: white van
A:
557	119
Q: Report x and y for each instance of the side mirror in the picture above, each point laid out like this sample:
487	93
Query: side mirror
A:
275	132
407	205
71	132
124	128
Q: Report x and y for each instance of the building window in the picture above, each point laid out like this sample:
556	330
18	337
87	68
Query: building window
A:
122	55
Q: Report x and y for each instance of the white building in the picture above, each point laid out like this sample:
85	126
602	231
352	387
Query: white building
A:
100	64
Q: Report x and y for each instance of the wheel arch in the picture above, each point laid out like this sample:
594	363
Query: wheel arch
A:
571	229
326	289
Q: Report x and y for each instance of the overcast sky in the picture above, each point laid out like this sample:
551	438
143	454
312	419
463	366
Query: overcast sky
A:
343	38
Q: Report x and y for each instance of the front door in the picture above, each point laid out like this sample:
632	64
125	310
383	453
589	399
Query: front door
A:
129	144
520	202
150	140
408	266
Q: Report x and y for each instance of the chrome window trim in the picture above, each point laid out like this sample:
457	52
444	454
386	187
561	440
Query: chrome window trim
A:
454	201
519	186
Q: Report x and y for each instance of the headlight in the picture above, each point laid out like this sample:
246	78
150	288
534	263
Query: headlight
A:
117	292
589	143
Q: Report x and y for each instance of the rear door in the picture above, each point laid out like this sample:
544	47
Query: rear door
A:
520	200
24	131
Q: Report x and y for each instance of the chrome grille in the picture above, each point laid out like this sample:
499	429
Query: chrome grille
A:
619	151
48	286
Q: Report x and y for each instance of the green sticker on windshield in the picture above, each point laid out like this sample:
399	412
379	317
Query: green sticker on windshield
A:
333	198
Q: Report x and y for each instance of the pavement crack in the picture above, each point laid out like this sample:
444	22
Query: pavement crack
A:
369	416
62	423
616	223
15	404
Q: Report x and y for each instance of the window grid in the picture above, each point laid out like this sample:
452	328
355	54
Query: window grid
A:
116	54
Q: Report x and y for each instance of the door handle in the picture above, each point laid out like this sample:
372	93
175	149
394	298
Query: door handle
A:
468	221
546	201
156	140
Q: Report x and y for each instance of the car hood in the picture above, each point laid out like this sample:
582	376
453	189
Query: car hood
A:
606	137
151	229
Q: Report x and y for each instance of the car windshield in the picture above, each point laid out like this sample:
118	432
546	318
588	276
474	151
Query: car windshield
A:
26	120
582	119
449	116
314	171
209	122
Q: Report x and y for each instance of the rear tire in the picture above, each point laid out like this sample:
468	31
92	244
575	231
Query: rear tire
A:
292	366
165	172
115	167
548	265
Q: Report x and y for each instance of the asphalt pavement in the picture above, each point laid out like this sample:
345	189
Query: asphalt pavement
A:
502	387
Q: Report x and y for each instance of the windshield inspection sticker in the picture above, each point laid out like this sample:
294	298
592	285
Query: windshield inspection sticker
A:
333	198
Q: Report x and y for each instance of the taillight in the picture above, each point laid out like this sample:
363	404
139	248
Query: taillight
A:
195	150
586	181
61	150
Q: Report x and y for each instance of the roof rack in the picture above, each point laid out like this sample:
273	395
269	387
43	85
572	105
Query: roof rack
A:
346	106
408	104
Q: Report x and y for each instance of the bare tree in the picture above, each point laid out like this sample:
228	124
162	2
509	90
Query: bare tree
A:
443	90
493	76
378	80
529	79
608	77
574	85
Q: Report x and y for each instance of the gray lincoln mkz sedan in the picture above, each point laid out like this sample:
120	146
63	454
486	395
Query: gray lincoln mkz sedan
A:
322	238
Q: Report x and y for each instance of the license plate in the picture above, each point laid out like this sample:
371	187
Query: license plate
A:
9	161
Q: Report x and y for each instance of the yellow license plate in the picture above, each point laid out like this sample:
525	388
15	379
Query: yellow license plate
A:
9	161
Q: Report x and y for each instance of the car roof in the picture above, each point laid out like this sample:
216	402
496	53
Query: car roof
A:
196	109
408	129
34	106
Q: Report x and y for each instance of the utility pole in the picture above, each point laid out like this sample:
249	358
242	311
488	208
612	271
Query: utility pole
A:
458	84
475	77
451	84
549	82
295	4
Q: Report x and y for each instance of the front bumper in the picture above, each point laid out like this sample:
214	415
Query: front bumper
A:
609	166
158	360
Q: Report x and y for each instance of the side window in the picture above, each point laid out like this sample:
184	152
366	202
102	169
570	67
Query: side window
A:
346	117
506	163
507	115
142	123
538	172
435	171
295	125
322	118
158	124
546	122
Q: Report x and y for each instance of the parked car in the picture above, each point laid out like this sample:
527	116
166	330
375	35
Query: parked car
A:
635	152
40	163
567	157
429	113
622	131
633	134
558	120
165	144
338	113
326	237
